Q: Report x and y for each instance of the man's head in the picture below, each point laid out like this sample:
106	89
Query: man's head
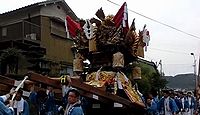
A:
172	93
73	96
189	94
19	95
166	93
150	96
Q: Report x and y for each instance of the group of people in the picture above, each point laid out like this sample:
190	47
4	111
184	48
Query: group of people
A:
40	103
172	103
43	102
18	106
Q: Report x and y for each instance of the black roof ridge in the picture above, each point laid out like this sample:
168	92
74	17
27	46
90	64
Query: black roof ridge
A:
45	2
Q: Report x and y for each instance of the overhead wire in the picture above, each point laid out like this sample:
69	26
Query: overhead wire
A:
181	64
174	28
169	51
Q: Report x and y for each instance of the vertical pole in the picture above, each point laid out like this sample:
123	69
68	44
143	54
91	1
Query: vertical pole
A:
197	89
161	68
196	77
198	80
196	85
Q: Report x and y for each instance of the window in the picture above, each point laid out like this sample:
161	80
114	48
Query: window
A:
67	70
4	31
43	65
70	70
58	29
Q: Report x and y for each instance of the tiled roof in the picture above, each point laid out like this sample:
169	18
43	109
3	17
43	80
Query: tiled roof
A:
31	5
46	2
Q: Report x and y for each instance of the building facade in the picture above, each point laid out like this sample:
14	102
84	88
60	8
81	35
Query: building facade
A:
34	38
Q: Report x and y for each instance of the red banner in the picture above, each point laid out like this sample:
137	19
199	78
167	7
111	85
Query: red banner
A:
72	26
121	18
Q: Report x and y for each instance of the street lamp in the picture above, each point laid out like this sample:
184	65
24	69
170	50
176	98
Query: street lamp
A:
196	79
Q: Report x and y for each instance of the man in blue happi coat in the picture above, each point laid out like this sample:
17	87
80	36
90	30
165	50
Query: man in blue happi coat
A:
167	105
6	110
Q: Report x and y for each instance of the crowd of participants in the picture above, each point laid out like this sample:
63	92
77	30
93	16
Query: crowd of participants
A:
172	103
41	103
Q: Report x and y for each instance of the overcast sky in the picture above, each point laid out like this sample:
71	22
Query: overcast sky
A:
166	44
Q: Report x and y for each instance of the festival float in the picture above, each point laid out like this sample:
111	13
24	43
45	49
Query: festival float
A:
105	64
106	50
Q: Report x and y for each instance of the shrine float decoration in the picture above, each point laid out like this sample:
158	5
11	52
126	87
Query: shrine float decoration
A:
105	48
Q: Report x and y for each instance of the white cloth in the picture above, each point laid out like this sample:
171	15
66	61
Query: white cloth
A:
88	29
167	108
190	111
189	100
182	101
125	16
4	98
11	108
185	112
146	38
19	105
119	83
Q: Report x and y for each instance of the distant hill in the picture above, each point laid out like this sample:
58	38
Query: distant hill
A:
181	81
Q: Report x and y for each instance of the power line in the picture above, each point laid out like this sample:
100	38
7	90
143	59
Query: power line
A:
169	51
179	64
189	34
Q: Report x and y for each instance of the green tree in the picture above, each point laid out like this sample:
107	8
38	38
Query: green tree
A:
9	60
151	79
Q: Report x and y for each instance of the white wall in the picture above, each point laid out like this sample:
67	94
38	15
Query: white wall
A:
53	11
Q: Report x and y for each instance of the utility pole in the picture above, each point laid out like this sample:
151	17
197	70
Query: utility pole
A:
196	77
161	71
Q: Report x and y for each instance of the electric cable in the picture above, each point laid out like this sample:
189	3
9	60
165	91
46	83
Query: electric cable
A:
174	28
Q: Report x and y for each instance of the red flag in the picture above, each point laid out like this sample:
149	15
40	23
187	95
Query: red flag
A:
121	18
72	26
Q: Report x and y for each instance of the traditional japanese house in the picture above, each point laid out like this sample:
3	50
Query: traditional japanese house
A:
34	37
